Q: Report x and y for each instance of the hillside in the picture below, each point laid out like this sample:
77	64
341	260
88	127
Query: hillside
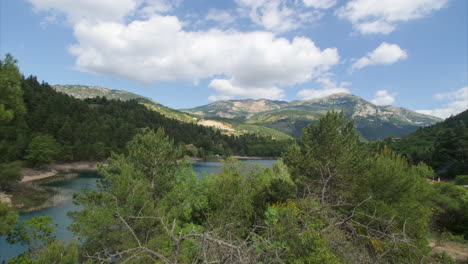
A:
226	126
373	122
444	146
84	92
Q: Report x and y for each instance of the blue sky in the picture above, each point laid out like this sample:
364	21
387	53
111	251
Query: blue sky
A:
187	53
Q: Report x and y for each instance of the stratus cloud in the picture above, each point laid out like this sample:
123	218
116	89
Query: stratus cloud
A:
383	97
328	87
105	10
278	15
220	16
382	16
458	103
384	54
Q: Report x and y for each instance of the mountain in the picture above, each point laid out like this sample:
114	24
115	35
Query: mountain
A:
372	121
83	92
443	146
227	126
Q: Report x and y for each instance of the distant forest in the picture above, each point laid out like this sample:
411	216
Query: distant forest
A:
443	146
93	128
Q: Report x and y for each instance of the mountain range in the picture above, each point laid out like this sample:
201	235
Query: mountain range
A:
372	121
231	127
278	119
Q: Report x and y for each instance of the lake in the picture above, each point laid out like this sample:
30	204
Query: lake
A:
88	180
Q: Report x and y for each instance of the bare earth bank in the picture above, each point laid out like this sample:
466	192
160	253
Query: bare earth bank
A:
33	174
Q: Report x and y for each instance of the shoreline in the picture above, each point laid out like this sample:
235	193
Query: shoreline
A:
30	175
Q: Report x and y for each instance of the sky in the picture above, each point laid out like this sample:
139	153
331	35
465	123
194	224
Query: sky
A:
187	53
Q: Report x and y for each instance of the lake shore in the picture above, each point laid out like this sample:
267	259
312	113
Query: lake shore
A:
54	169
30	175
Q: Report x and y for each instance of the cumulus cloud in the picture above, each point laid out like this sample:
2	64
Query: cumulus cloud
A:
277	15
254	64
227	89
383	97
324	4
382	16
328	87
458	102
384	54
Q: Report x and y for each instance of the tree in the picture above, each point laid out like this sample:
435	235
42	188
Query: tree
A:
137	193
328	159
8	219
9	173
11	101
42	150
377	200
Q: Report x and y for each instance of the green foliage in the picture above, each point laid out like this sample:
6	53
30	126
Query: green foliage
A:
239	194
91	129
329	154
450	206
399	202
377	195
8	219
9	173
58	253
148	181
443	146
11	101
42	150
299	233
35	232
461	180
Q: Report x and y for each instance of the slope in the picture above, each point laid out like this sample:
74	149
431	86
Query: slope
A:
443	146
226	126
373	122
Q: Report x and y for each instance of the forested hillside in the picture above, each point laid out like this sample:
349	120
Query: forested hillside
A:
331	199
334	202
93	128
444	146
228	127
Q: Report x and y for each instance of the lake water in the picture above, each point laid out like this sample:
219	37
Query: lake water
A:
88	180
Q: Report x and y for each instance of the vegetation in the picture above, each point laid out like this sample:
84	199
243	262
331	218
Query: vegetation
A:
334	199
41	125
42	150
443	146
372	122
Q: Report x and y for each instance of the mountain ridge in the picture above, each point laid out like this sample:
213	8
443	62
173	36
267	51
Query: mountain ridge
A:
226	126
372	121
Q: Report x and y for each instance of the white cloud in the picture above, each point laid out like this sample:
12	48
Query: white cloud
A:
382	16
242	64
383	97
324	4
220	16
329	87
384	54
458	103
227	89
277	15
104	10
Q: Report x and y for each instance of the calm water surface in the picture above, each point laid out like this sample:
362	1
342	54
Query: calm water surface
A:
88	180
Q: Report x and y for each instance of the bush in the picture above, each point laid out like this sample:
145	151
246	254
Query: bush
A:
42	150
461	180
